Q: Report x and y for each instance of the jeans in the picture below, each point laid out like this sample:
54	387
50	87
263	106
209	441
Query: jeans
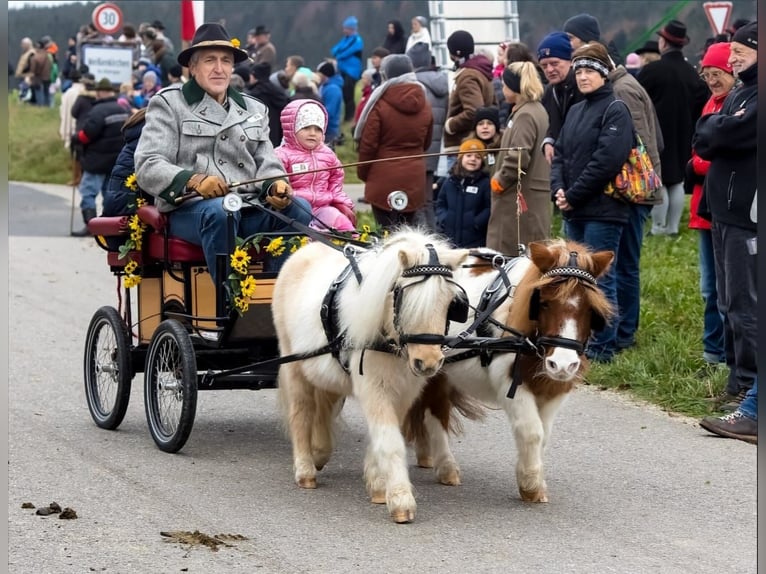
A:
666	217
425	216
90	185
204	222
42	94
749	406
712	334
628	273
737	280
601	236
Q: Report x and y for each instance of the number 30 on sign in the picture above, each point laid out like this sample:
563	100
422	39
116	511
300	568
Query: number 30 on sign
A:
107	18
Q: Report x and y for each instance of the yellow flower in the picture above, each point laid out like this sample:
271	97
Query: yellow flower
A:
366	229
247	286
130	267
276	246
131	183
136	236
140	202
240	260
134	223
304	241
235	42
241	304
132	281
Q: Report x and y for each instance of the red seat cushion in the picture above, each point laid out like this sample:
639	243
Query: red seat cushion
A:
109	226
150	215
178	250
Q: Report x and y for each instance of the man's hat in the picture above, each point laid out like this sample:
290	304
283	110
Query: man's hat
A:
649	46
105	85
675	33
211	35
260	30
157	24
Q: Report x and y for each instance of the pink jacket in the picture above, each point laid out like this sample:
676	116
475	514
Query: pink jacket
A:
324	189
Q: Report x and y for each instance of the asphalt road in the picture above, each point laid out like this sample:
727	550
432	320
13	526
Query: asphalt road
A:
631	489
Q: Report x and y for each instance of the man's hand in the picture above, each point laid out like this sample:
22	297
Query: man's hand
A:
548	151
561	201
279	194
208	186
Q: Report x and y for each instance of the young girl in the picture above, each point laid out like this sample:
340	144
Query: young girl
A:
486	129
303	149
464	201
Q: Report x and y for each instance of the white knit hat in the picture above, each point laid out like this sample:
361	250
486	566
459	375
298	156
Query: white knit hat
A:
309	114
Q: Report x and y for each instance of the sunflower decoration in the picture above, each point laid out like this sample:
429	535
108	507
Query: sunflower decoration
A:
136	229
235	42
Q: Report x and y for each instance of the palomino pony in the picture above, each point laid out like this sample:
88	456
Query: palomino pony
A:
382	315
552	300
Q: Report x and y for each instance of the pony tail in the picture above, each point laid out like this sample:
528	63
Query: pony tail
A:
531	86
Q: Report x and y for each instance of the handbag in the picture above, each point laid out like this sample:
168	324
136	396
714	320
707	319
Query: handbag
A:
636	182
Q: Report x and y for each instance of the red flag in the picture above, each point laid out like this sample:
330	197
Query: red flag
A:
188	24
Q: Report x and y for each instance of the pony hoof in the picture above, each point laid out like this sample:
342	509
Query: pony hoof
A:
307	482
451	478
425	462
378	497
403	516
533	495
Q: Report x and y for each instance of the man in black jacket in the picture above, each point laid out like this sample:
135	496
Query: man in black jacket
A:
275	98
101	138
728	140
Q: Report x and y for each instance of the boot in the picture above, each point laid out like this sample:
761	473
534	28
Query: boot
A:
76	173
87	215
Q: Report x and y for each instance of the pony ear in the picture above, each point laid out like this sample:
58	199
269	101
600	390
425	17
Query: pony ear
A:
541	256
407	259
601	262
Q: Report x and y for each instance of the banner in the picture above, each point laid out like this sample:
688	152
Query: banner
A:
192	17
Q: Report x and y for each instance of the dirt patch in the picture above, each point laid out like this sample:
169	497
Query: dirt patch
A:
198	538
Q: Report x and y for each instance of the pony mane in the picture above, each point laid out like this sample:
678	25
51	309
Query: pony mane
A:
518	317
366	309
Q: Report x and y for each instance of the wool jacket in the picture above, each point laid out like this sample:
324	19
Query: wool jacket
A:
400	123
437	93
630	91
678	94
729	141
321	189
593	145
463	207
699	168
472	90
188	132
101	135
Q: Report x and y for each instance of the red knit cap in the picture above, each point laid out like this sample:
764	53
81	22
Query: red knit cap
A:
717	56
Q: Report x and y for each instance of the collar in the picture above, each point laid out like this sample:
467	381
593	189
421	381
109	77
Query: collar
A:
193	93
749	76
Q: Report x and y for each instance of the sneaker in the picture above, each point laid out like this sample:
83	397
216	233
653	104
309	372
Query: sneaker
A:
734	425
721	398
733	404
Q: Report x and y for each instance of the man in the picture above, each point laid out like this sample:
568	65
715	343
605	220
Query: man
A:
554	54
292	64
472	90
261	88
331	94
101	138
377	57
348	54
23	67
728	140
678	94
203	135
649	52
160	35
583	29
264	50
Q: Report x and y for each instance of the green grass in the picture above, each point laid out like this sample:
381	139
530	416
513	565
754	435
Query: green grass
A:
659	369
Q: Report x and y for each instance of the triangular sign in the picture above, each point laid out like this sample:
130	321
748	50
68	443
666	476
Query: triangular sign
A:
718	15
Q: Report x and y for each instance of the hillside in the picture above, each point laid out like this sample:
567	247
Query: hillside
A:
311	28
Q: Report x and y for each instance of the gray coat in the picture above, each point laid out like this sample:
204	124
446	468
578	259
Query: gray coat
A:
437	93
188	132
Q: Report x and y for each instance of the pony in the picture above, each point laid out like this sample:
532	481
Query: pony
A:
553	302
366	324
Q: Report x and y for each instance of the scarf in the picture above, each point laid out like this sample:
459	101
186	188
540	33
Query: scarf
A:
377	93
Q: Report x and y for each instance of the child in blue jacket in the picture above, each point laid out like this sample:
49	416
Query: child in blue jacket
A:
464	201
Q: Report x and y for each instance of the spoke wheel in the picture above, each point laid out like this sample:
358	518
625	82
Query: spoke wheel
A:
107	368
170	386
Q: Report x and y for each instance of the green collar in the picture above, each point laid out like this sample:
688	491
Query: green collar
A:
193	94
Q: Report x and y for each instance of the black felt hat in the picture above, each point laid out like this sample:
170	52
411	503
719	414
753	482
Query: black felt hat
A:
649	46
675	33
211	35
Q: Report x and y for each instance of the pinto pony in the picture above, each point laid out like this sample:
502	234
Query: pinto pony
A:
382	314
554	302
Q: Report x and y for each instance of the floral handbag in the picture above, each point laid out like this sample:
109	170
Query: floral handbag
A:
636	182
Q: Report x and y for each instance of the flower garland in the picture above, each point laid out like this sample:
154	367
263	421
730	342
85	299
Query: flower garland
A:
134	241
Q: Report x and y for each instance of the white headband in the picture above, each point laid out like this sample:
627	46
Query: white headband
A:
592	64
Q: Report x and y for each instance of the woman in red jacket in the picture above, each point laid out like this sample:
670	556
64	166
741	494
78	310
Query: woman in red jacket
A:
719	77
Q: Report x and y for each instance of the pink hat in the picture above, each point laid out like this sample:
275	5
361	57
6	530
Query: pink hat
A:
632	61
717	56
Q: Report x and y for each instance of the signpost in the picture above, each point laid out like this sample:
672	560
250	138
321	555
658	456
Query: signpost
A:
107	18
718	15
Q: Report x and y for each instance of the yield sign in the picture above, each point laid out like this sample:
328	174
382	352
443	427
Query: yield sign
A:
718	15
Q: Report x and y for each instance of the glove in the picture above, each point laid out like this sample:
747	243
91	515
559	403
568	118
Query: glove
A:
279	194
208	186
496	186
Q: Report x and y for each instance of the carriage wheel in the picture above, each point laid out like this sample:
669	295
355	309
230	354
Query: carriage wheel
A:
170	386
107	368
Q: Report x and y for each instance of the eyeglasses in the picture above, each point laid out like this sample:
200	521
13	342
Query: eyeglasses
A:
711	76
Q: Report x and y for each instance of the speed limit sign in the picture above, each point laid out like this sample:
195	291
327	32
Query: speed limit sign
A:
107	18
